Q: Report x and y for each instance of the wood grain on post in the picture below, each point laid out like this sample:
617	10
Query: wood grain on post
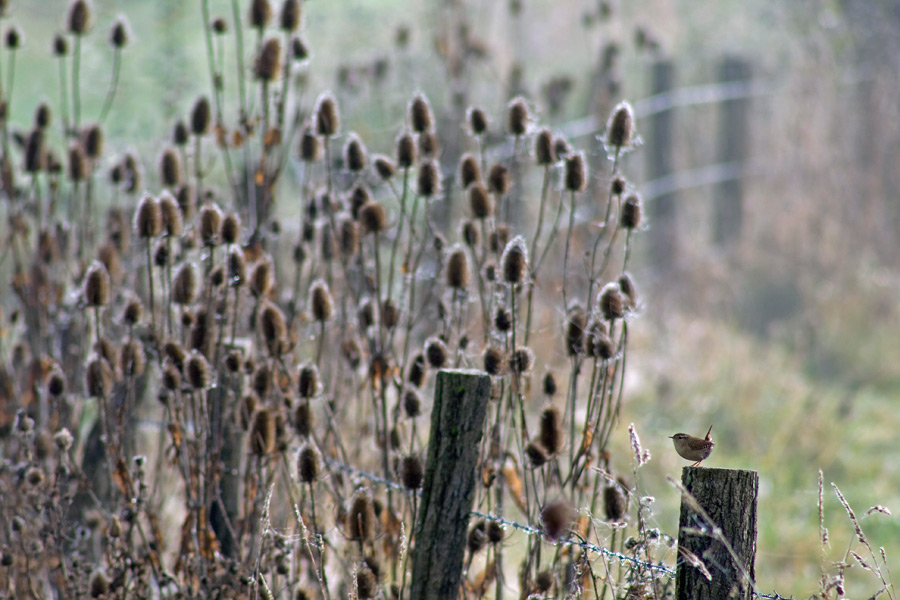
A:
728	499
457	417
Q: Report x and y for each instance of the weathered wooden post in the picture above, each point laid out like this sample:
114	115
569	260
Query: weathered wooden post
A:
460	404
663	209
733	147
719	506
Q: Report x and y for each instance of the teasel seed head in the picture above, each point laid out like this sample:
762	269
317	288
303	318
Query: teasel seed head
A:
92	137
349	236
373	217
549	384
180	133
406	151
171	214
610	302
502	320
514	261
60	46
56	382
170	168
384	166
210	224
429	145
98	377
219	26
429	179
614	503
412	471
479	201
617	185
308	381
161	254
499	238
598	343
261	279
148	219
268	62
185	285
544	153
231	229
120	32
309	463
299	50
96	285
543	581
290	15
42	116
477	537
99	585
537	455
632	212
197	370
620	127
576	172
13	38
273	327
310	147
132	359
416	373
237	268
469	170
175	353
201	116
263	432
470	234
234	361
478	122
551	436
327	119
499	180
521	361
260	13
436	352
561	148
78	165
63	440
186	201
366	582
390	314
35	154
79	18
517	116
412	403
320	301
493	360
361	516
556	518
303	419
261	381
420	117
457	269
575	328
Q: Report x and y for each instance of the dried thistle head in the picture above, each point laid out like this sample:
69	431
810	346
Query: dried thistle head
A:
469	170
478	121
457	270
420	117
429	179
550	431
309	148
309	463
308	381
549	384
185	285
632	212
120	32
201	116
544	152
327	118
610	302
479	201
576	324
289	19
268	62
517	116
361	516
514	261
575	172
321	303
79	17
273	328
499	180
148	220
406	150
210	224
260	13
620	127
492	360
263	432
373	217
556	518
196	370
96	285
412	471
170	168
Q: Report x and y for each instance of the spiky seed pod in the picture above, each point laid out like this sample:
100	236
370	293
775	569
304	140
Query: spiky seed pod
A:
161	254
493	360
79	18
406	151
457	269
361	516
349	236
186	201
176	354
273	327
234	361
479	201
321	303
327	119
499	180
412	403
268	62
373	218
201	116
632	211
132	359
42	116
96	285
56	382
366	314
494	532
261	279
544	153
210	224
502	320
35	155
514	261
629	290
429	179
309	463
119	34
290	15
576	172
416	373
549	384
171	215
60	46
93	141
366	582
556	519
536	454
517	116
13	38
550	432
390	314
477	537
469	170
598	343
620	127
309	148
237	268
308	381
470	234
170	168
521	361
260	13
185	285
436	352
499	238
263	432
478	122
78	165
543	581
303	419
575	328
99	584
429	145
610	302
299	51
107	351
358	197
197	371
219	26
261	381
412	471
420	118
148	220
561	148
231	229
217	279
613	503
617	185
384	166
98	377
180	135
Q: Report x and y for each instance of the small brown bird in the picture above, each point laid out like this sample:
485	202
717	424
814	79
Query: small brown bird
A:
693	448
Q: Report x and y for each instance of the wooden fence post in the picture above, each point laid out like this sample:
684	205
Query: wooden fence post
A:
733	147
460	404
660	153
721	505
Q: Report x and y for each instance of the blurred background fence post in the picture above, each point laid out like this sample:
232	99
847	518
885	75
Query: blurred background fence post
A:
457	419
717	504
660	150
